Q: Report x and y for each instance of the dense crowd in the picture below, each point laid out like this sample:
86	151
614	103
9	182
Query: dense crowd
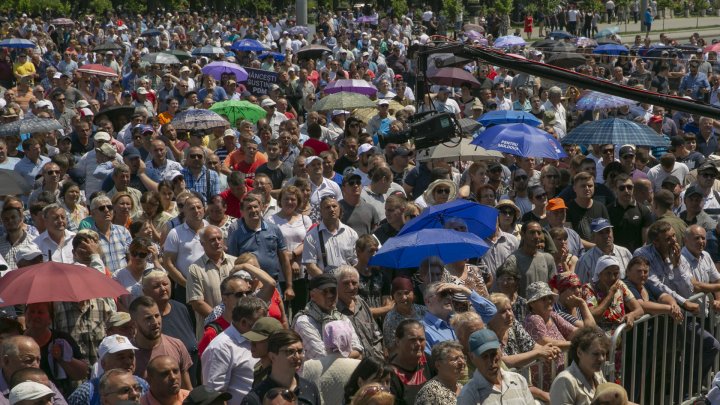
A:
246	247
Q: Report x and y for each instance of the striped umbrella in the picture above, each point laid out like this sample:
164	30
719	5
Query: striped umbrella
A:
595	100
614	131
99	70
17	43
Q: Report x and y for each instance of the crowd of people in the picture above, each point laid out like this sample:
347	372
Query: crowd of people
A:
246	248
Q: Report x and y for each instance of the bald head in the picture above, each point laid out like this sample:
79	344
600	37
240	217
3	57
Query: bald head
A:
19	352
164	376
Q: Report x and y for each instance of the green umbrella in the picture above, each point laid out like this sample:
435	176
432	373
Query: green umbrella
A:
235	109
343	101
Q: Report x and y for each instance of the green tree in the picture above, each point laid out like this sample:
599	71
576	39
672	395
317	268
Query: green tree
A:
399	7
452	8
504	8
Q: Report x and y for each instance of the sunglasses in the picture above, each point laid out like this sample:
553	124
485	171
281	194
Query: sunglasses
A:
353	183
238	294
105	208
285	393
608	151
140	255
507	212
442	191
541	196
628	187
194	156
51	172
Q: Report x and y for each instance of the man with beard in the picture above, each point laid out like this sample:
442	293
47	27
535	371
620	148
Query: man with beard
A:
151	342
164	380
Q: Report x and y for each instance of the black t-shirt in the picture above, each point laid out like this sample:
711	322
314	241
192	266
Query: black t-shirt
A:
277	176
343	163
385	231
661	84
373	287
580	217
628	224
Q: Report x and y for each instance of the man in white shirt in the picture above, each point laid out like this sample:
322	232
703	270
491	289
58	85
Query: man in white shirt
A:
56	242
503	103
554	104
443	102
667	167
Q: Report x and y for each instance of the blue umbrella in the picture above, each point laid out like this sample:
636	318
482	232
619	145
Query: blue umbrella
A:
299	30
275	55
560	35
480	219
248	45
611	49
520	140
151	33
17	43
596	100
508	117
508	41
614	131
411	249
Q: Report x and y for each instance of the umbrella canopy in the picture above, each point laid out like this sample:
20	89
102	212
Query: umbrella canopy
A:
275	55
453	77
615	131
611	49
473	35
469	125
520	140
190	120
607	32
713	47
118	115
13	183
473	27
17	43
160	58
594	100
312	51
566	59
30	126
584	42
239	109
480	219
508	41
107	46
151	33
560	35
365	19
217	69
56	282
546	43
180	54
656	51
248	45
508	117
454	61
352	86
208	50
366	114
343	101
99	70
458	150
62	21
411	249
299	30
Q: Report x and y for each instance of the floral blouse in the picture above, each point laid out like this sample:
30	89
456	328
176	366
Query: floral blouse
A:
435	393
519	341
559	329
615	312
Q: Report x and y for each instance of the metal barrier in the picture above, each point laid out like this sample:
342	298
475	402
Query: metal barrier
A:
662	359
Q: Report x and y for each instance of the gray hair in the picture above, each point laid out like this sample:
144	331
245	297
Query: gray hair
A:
100	200
52	207
345	271
204	231
441	350
152	275
120	169
555	90
104	383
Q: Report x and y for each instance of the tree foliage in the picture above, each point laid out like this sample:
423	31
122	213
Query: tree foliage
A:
452	8
36	6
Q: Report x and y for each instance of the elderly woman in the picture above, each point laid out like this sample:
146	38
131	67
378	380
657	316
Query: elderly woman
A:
564	260
438	192
611	302
545	326
509	217
588	352
569	305
486	195
333	371
449	363
405	308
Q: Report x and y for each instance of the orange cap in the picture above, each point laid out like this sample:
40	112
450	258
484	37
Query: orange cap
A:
556	204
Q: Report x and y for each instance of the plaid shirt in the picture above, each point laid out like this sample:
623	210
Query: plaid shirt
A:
85	322
114	249
7	249
200	184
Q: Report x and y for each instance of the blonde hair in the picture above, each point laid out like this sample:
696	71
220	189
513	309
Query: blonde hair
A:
381	395
499	299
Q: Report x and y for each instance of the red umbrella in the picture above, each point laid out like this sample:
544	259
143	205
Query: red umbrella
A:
100	70
453	77
56	282
713	48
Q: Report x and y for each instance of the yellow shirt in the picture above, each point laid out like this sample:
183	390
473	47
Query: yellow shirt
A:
24	69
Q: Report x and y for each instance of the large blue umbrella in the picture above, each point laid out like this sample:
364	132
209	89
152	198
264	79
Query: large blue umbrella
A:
611	49
508	41
508	117
409	250
520	140
614	131
595	100
275	55
248	45
17	43
607	32
153	32
480	219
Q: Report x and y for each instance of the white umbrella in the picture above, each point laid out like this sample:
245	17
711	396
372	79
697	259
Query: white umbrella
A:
459	149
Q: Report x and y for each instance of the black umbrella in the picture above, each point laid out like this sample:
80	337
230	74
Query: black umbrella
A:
455	61
566	59
208	50
30	126
160	58
544	44
107	46
151	33
312	51
118	115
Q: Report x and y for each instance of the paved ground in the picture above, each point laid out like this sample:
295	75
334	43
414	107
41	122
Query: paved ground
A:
678	28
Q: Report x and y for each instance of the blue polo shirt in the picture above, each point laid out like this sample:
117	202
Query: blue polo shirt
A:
436	331
266	243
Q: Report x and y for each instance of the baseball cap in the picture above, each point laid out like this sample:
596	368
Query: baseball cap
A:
707	166
346	179
262	329
102	136
126	93
229	132
311	159
147	128
86	112
340	112
27	252
655	119
267	103
366	147
113	344
109	53
184	69
322	282
693	190
57	75
131	152
142	90
671	180
117	319
483	340
203	395
555	204
28	391
383	101
626	150
172	175
44	104
82	104
107	150
598	224
274	87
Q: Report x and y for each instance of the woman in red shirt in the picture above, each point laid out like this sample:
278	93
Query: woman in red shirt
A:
528	29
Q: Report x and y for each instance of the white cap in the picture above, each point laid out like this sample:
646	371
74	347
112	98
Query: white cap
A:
366	147
184	69
171	175
142	90
114	344
28	391
27	252
102	136
43	104
107	150
383	101
57	75
86	112
267	103
229	132
82	104
339	112
311	159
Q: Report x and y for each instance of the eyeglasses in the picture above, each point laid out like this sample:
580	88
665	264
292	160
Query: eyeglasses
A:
238	294
139	255
628	156
105	208
196	156
285	393
442	191
507	212
628	187
51	172
608	151
541	196
353	183
293	352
